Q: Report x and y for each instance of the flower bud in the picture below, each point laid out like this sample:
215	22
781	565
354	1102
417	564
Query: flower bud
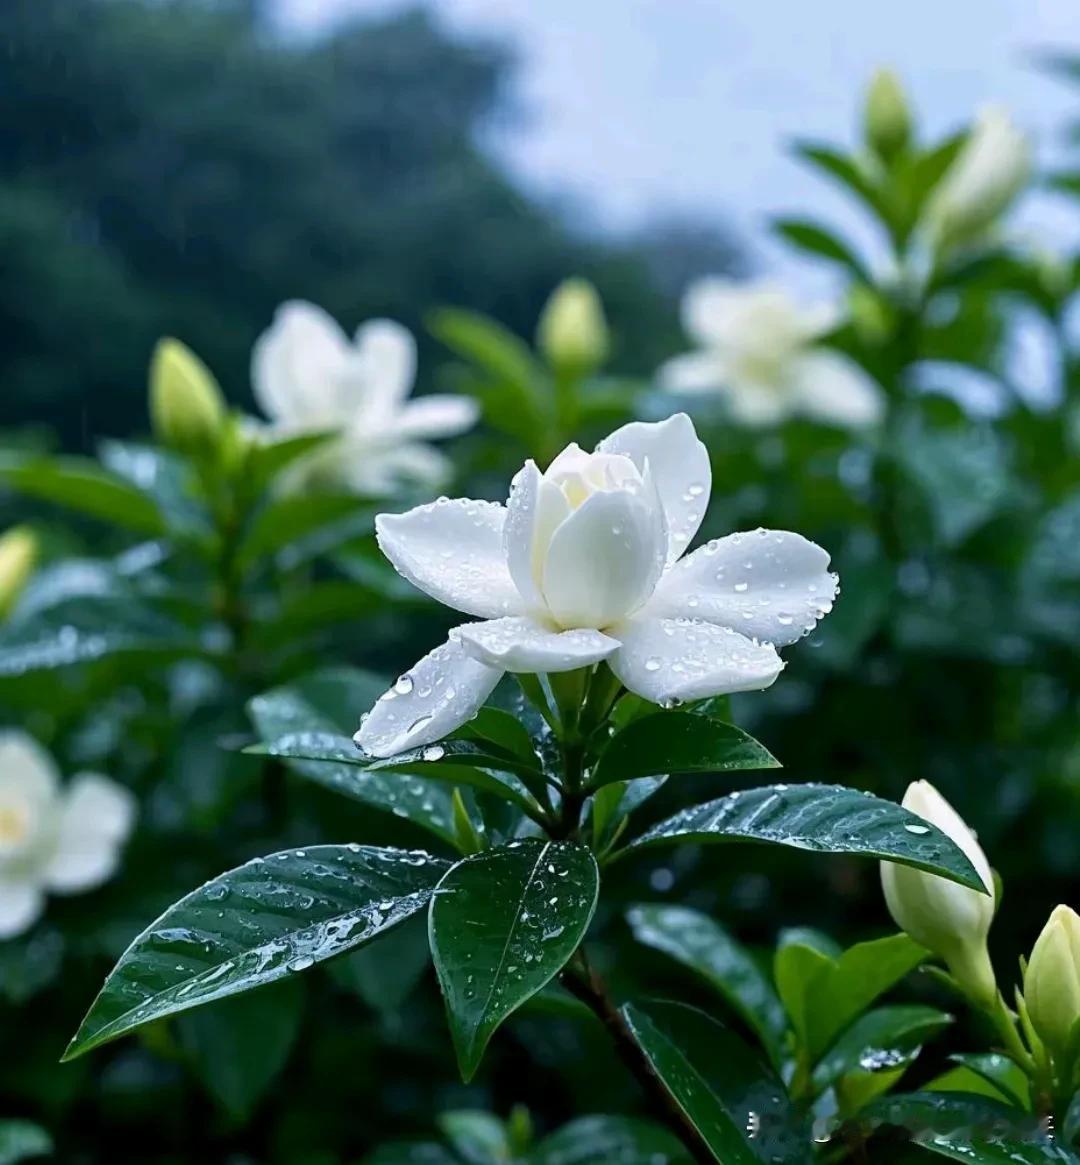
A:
18	554
986	177
1052	979
187	408
572	332
946	918
886	115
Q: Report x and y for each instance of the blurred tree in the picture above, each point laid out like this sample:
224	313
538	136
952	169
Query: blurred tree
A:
176	167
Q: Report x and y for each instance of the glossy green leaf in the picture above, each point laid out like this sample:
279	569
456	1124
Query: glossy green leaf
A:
456	762
880	1041
677	742
238	1046
20	1140
819	242
255	925
81	484
728	1092
329	702
703	945
823	819
973	1129
316	607
1007	1077
502	924
854	980
612	1140
798	969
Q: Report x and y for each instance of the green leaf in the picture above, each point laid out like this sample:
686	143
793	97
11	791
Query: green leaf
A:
327	702
880	1041
81	484
973	1129
255	925
502	925
823	819
238	1046
703	945
79	630
267	459
815	240
855	980
612	1140
478	1137
315	607
846	172
677	742
717	1081
167	479
456	762
385	974
20	1140
412	1153
489	345
1008	1078
284	520
798	970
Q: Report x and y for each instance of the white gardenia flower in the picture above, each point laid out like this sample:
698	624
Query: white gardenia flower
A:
308	377
58	839
760	350
585	563
986	177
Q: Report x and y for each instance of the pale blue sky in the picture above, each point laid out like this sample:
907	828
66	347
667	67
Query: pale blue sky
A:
638	105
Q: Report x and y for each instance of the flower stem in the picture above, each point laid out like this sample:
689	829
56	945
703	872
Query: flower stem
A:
584	983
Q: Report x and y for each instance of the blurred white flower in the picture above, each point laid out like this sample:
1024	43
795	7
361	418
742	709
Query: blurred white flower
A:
759	349
308	377
54	838
991	169
951	920
584	563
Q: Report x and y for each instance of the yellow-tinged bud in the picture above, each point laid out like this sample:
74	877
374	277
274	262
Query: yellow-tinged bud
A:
886	115
18	555
187	408
946	918
1052	980
572	332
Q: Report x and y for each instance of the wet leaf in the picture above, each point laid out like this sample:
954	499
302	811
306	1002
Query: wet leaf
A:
502	925
677	742
81	484
329	702
704	946
613	1140
1008	1078
724	1088
20	1140
823	819
255	925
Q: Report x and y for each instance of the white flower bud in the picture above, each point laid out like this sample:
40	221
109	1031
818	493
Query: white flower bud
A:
946	918
1052	980
187	408
984	180
572	332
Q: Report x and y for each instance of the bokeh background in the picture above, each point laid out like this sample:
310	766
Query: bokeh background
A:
180	167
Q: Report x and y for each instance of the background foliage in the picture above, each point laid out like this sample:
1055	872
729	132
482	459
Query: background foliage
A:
173	168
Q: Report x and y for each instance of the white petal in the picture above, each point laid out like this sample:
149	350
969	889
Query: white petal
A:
453	551
534	510
834	389
768	584
437	416
379	471
680	467
758	405
296	366
709	309
664	660
444	690
520	644
95	820
21	903
383	361
693	372
26	768
604	560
